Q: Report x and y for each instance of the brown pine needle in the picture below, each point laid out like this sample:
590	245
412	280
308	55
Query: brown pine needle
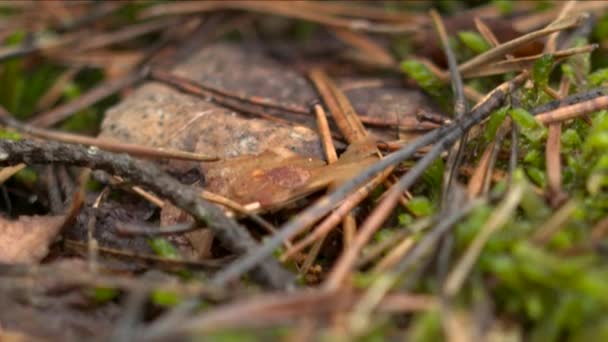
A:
573	111
9	171
94	95
497	219
508	47
517	64
555	223
332	157
291	10
337	215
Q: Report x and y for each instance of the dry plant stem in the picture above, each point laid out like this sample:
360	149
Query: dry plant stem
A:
232	235
11	52
351	128
325	87
124	34
365	12
460	106
103	144
325	204
517	64
477	179
531	21
337	215
96	94
56	91
497	219
271	309
199	89
509	46
486	32
9	171
555	223
553	157
332	157
552	148
381	286
349	229
51	273
342	110
395	254
325	133
504	129
281	9
148	259
570	100
370	48
573	111
599	230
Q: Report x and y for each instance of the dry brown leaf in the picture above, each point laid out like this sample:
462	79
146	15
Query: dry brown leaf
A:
27	239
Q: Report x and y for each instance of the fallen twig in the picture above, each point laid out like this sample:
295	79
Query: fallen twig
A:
232	235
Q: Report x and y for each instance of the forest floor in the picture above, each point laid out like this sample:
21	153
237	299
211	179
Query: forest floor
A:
303	170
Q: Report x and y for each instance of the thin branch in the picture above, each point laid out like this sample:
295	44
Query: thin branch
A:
232	235
281	9
573	111
509	46
103	144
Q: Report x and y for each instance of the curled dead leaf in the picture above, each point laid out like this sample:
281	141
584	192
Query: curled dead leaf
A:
27	239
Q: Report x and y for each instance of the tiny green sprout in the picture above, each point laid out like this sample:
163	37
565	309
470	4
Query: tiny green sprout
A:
598	140
474	41
494	123
10	135
530	128
421	74
426	327
27	176
425	79
164	248
533	157
104	294
420	206
542	69
363	280
505	7
571	139
599	77
165	298
405	219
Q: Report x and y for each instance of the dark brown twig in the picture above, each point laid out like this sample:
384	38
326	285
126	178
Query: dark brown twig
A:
232	235
104	144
